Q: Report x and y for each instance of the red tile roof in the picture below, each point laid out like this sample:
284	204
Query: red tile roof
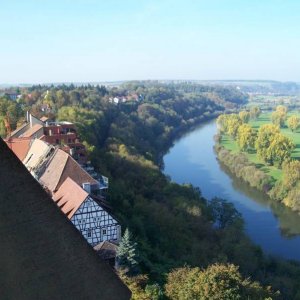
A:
20	146
69	197
60	167
33	130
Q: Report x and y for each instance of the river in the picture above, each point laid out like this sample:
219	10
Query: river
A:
272	226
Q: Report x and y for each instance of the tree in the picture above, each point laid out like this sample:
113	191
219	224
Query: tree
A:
137	285
278	118
281	109
217	282
126	254
291	173
264	139
181	283
222	123
233	123
224	213
292	199
254	112
246	137
280	149
293	123
229	124
2	127
244	116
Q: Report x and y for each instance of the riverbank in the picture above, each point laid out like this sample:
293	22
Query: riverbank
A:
241	167
268	223
280	181
182	131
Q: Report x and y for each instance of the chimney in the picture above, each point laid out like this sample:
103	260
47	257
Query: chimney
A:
27	116
30	117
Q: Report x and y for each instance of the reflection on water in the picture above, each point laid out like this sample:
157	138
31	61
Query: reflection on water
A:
271	225
289	221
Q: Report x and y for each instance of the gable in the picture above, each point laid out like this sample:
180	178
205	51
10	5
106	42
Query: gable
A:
99	216
37	152
73	170
69	197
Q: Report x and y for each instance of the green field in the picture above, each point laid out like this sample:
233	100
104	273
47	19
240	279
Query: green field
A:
265	118
269	101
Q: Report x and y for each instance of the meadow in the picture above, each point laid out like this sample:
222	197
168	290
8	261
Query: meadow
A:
265	118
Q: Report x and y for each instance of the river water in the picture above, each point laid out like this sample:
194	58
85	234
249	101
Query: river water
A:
272	226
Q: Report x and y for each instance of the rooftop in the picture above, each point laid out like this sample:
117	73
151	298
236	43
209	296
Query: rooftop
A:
106	250
32	131
37	152
19	146
43	256
69	197
60	167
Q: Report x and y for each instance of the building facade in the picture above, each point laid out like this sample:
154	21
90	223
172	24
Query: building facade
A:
86	213
96	224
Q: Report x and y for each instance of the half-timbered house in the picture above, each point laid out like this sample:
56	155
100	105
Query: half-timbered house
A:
87	214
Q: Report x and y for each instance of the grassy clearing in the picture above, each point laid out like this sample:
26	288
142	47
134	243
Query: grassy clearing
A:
265	118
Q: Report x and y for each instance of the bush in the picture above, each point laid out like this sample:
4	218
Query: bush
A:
241	167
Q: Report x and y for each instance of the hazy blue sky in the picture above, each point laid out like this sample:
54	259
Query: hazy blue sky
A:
86	40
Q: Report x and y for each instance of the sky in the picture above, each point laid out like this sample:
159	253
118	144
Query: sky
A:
43	41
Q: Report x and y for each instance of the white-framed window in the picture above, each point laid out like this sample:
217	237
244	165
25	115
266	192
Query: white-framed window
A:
104	232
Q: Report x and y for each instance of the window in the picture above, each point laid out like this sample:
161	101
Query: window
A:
89	233
104	231
28	159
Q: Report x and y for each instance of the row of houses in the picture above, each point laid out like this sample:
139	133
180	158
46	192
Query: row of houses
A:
47	150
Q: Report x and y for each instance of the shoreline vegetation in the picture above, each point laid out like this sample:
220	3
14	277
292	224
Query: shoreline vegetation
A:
174	228
262	149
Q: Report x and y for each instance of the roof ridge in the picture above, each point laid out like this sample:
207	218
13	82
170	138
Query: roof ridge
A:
62	171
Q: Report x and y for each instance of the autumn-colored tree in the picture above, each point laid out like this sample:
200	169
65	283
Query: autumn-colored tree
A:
222	123
280	149
272	146
136	284
217	282
291	173
246	137
255	112
293	123
244	116
229	124
264	139
278	118
282	109
292	199
233	124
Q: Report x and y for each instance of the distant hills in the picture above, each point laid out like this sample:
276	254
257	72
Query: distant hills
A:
248	86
